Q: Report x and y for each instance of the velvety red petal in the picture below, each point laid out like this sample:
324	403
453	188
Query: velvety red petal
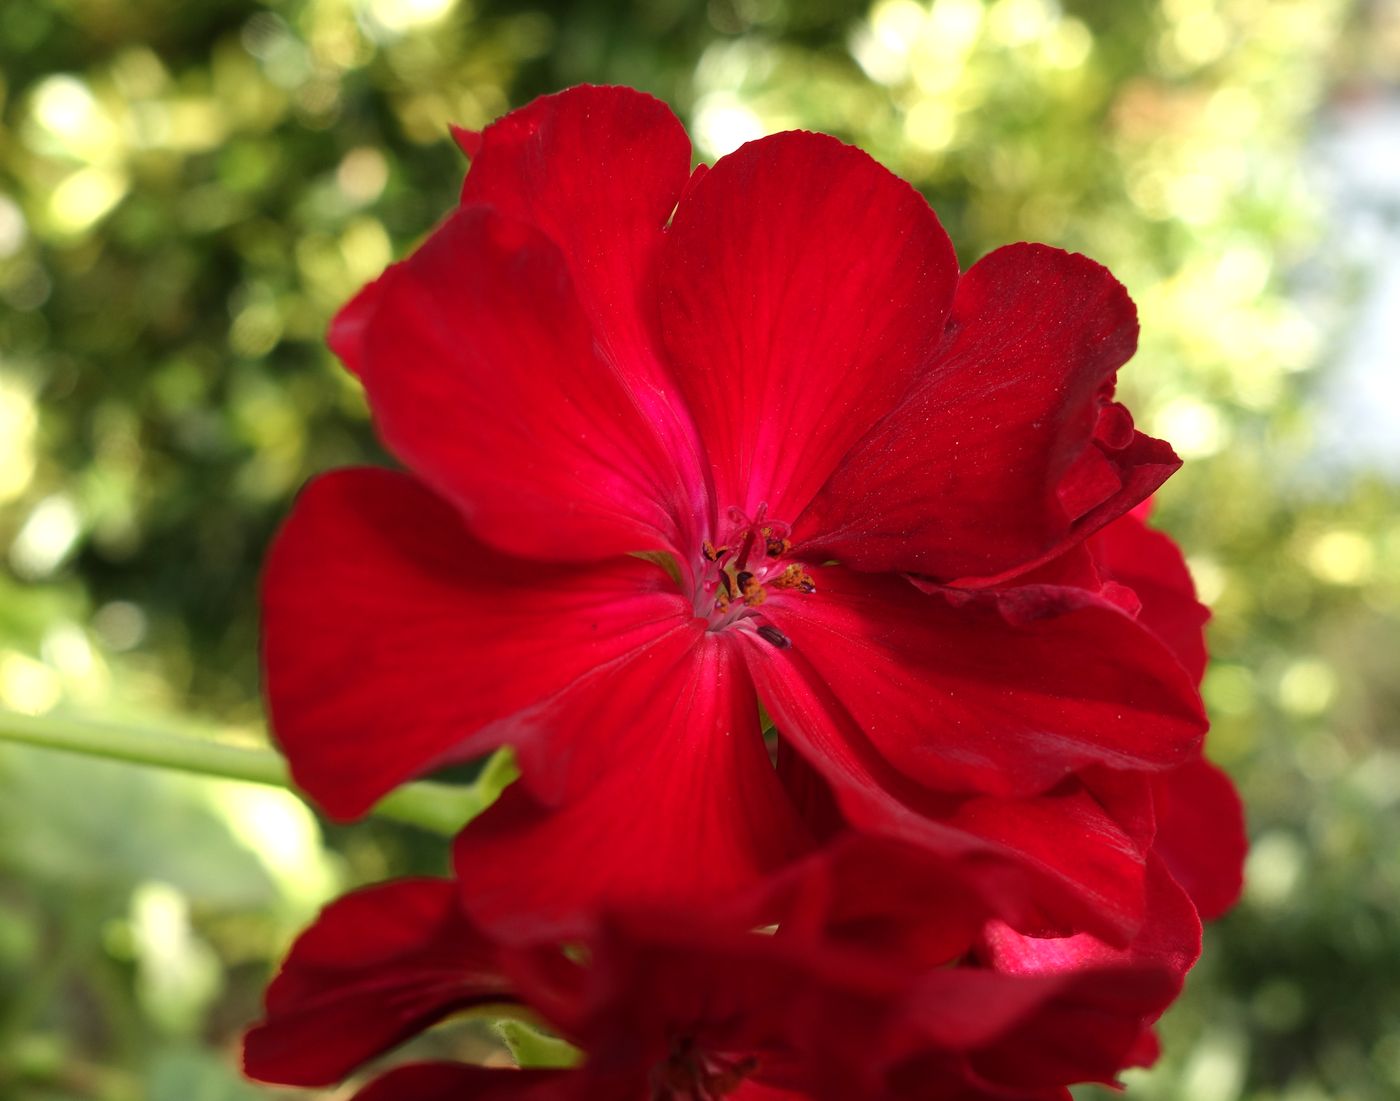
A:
599	171
963	698
486	377
1100	1020
1055	862
1149	563
393	641
866	894
1201	835
377	967
1008	449
750	1090
1170	938
803	287
688	810
460	1082
1080	1028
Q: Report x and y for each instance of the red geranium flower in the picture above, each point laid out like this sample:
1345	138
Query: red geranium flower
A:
671	1007
676	441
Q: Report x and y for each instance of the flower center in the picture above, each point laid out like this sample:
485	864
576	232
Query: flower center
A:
737	572
691	1074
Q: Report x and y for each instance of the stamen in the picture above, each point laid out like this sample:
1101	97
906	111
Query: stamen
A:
795	577
754	593
735	576
771	634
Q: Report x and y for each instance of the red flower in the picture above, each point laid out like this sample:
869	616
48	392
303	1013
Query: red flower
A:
669	1007
674	440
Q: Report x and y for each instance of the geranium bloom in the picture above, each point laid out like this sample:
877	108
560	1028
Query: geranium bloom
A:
676	444
671	1007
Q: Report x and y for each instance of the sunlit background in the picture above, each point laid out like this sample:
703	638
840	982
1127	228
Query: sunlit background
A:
188	190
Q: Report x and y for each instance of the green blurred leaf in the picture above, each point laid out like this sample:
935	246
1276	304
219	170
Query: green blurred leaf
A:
532	1047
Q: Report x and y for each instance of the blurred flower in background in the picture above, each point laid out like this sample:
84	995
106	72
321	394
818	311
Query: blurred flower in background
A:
188	191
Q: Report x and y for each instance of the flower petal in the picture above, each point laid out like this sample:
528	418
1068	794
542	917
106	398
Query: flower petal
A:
1008	449
1028	1037
393	641
377	967
486	378
685	805
1171	938
1051	863
599	171
962	698
1201	835
1148	562
803	287
1109	997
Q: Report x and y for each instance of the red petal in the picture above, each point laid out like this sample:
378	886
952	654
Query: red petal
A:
1053	862
1149	563
599	171
803	287
961	699
1006	451
1030	1037
378	966
393	641
688	809
1201	835
468	141
895	901
460	1082
486	378
1170	938
1100	1020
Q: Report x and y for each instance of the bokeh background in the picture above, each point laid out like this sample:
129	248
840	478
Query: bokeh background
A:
187	192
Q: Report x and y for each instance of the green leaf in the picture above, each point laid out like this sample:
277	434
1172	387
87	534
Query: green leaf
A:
532	1047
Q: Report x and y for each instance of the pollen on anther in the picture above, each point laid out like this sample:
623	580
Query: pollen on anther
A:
711	552
753	593
795	577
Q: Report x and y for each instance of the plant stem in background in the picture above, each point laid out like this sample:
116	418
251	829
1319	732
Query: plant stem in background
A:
439	808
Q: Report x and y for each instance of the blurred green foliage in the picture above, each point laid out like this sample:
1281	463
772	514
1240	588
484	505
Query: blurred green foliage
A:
187	192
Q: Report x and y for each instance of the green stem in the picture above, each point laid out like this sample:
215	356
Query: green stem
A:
440	808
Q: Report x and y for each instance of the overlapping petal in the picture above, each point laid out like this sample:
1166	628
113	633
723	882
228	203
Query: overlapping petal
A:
1009	448
1148	562
962	698
1055	862
689	810
1115	993
1201	835
802	289
554	164
486	378
394	641
377	967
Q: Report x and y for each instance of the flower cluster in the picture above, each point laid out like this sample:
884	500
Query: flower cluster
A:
855	705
